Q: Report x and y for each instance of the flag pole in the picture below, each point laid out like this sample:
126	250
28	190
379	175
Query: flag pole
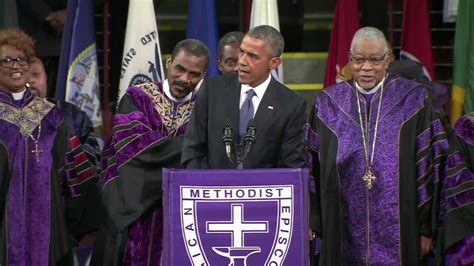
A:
106	110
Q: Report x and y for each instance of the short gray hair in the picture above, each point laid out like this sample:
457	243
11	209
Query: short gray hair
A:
272	36
369	33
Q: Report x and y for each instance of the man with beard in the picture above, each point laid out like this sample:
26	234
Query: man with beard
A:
149	126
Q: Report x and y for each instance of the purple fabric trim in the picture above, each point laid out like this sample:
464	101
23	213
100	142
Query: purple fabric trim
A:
462	254
29	198
424	139
146	125
459	199
337	109
312	139
424	190
139	249
464	128
461	176
427	165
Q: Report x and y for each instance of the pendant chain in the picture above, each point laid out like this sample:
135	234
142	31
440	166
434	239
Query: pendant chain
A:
37	151
369	176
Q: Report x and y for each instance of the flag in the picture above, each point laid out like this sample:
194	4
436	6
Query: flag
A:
78	77
265	12
141	60
346	23
416	35
202	25
450	10
462	95
8	14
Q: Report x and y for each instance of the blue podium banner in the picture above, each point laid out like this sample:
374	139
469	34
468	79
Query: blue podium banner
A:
235	217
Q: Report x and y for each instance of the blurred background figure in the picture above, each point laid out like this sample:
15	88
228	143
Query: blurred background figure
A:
78	122
413	70
228	51
44	21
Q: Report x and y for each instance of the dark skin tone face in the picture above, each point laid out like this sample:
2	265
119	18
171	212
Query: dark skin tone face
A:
230	57
184	73
255	61
13	78
368	74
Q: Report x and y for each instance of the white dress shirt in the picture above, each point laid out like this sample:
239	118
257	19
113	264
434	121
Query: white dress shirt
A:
259	92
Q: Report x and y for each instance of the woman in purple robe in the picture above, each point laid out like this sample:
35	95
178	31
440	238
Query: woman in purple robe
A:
43	171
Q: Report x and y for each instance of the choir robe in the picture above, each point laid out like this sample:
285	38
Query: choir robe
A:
456	223
42	201
147	136
381	225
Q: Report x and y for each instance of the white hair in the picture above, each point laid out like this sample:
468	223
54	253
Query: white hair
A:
369	33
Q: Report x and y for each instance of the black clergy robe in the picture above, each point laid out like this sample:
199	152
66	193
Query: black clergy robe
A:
147	136
381	225
44	182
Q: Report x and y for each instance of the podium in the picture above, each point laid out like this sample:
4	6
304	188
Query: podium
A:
235	217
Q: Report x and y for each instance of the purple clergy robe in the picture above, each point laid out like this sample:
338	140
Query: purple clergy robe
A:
147	136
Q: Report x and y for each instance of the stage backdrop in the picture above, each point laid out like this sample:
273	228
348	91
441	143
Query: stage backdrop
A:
243	217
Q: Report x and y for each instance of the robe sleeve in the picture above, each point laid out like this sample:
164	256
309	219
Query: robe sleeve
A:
132	163
431	153
457	204
79	184
4	185
315	222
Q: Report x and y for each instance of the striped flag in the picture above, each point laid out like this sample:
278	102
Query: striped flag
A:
78	78
416	35
202	25
141	60
346	23
462	95
265	12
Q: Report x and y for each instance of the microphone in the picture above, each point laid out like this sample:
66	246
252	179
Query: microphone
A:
228	141
249	139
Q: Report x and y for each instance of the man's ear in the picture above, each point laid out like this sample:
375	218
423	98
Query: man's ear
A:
219	61
275	62
168	62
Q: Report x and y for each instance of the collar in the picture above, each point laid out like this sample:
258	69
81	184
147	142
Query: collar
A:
371	91
18	95
167	90
259	90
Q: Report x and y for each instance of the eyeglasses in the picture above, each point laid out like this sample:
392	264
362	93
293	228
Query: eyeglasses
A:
9	62
374	61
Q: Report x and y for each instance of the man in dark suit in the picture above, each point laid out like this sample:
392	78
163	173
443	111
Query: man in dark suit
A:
231	100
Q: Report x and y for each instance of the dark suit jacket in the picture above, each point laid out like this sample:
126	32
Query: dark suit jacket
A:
279	122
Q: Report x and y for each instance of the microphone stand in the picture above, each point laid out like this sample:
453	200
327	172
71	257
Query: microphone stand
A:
249	140
228	141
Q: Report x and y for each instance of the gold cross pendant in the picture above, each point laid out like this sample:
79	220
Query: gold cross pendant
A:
37	152
369	177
